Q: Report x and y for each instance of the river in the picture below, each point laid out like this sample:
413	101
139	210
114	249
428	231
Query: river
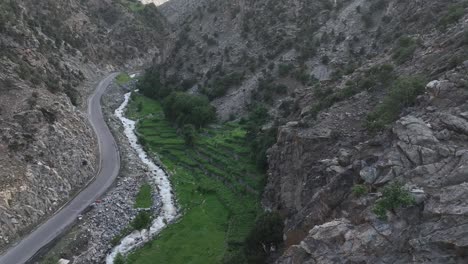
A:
160	182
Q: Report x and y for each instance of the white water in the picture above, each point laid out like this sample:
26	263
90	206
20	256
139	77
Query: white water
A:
159	178
156	2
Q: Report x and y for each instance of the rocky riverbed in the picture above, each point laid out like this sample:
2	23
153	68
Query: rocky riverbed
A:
158	178
89	241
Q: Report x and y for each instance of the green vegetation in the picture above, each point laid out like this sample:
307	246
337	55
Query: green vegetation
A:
285	69
50	260
260	139
123	78
142	220
359	190
8	8
189	133
119	259
216	183
393	197
150	85
453	15
267	232
144	198
405	49
402	94
182	109
133	5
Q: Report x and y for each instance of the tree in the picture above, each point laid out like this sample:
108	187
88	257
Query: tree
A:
393	197
150	85
189	133
182	108
266	233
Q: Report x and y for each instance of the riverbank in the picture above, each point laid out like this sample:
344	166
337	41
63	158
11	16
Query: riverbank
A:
89	241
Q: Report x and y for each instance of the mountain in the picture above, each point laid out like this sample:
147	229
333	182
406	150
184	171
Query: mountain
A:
51	55
356	109
368	102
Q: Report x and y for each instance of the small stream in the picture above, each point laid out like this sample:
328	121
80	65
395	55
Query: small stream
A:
159	178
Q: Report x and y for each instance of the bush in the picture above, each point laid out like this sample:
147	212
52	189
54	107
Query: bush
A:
182	108
285	69
267	232
142	220
454	13
405	49
325	59
359	190
402	94
393	197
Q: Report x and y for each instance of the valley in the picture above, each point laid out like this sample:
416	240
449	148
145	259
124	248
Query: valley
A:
233	131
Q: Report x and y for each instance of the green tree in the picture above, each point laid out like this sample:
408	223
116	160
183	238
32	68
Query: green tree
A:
189	133
182	108
393	197
267	232
150	85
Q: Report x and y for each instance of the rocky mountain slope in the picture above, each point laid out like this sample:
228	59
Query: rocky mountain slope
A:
51	54
369	102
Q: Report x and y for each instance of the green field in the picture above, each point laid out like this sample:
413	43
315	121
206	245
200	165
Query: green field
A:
216	184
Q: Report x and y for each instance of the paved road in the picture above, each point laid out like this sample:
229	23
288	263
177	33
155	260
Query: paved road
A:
110	165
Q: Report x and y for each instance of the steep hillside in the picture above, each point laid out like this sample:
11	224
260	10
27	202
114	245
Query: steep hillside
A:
51	54
368	101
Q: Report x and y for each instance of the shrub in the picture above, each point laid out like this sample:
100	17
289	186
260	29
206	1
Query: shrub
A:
142	220
267	231
359	190
405	49
402	94
182	108
393	197
285	69
454	13
325	59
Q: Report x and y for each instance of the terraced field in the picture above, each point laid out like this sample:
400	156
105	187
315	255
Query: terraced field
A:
216	183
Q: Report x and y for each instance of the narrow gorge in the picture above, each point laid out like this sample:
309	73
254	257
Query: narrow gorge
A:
215	131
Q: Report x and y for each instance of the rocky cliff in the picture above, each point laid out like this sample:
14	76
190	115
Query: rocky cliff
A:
52	53
366	95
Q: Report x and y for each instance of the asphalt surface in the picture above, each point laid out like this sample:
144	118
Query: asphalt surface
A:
45	233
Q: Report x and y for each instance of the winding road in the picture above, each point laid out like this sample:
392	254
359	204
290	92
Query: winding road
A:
45	233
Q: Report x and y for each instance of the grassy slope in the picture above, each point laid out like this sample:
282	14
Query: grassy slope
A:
216	184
